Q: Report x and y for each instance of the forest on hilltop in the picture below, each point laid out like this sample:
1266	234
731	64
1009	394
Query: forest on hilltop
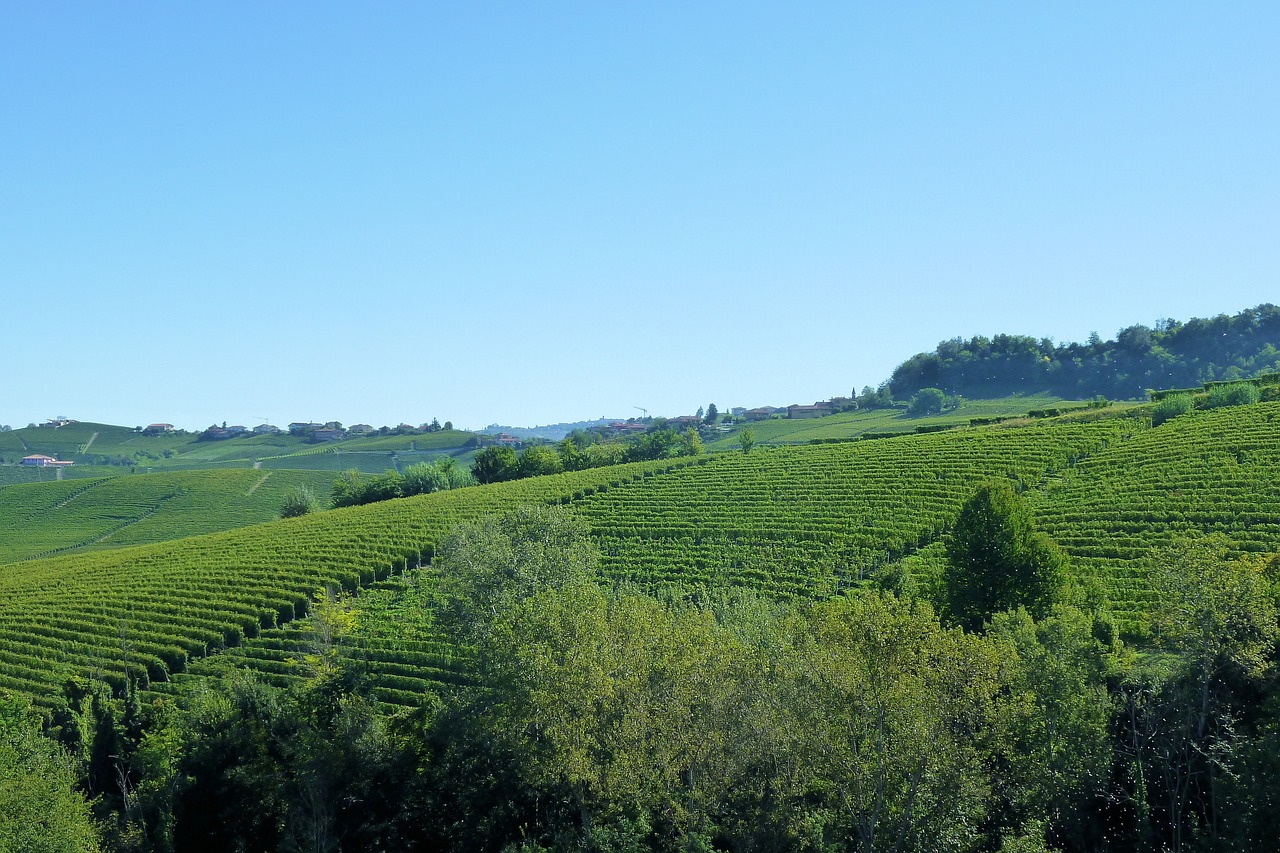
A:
1173	354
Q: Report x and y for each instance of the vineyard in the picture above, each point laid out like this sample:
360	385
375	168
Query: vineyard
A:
145	612
42	519
893	420
811	521
1212	472
793	522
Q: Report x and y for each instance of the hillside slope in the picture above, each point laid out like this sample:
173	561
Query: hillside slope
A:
797	521
40	519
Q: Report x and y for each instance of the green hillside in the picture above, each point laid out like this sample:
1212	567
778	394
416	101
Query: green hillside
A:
805	521
790	521
147	610
105	450
782	430
40	519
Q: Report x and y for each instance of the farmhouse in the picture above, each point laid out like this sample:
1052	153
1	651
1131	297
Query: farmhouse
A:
38	461
817	410
266	429
157	429
328	435
763	413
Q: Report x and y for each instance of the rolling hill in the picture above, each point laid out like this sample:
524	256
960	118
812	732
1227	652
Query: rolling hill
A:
792	522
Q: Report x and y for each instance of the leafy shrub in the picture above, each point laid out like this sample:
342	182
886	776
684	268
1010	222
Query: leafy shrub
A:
1235	394
1171	407
299	502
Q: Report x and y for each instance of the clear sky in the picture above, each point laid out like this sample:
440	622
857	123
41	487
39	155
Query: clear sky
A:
531	212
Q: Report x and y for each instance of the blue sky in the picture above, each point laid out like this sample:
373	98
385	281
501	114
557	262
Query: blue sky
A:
534	212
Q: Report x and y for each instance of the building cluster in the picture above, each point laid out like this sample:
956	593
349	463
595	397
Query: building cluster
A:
796	411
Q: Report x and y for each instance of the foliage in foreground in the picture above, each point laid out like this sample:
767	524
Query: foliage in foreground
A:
607	719
40	810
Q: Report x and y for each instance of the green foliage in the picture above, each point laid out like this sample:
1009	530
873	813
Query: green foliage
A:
421	478
1233	394
1173	355
40	809
299	502
1170	407
1184	741
495	464
746	439
927	401
489	565
996	560
1054	724
538	460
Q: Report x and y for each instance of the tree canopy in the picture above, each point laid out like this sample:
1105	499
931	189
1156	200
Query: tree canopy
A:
997	560
1171	355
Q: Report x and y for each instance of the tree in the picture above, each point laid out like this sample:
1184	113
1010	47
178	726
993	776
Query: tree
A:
1217	618
40	809
495	464
1170	407
713	414
747	439
691	443
996	560
538	460
927	401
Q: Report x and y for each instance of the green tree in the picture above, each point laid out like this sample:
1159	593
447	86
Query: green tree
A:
927	401
40	809
1170	407
1051	731
691	443
1235	394
997	560
495	463
1215	617
747	439
713	415
347	489
538	460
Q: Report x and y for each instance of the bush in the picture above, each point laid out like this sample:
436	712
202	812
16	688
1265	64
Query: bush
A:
1235	394
1171	407
299	502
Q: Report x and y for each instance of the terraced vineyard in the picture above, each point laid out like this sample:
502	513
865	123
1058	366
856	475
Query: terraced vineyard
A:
145	612
395	641
813	520
1201	473
853	424
45	518
791	521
